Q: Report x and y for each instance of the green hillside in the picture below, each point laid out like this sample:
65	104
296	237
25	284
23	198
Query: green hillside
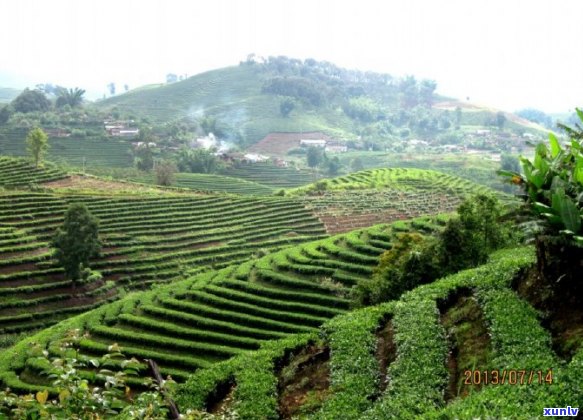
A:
384	195
73	150
212	183
393	361
147	239
346	104
18	172
194	323
232	95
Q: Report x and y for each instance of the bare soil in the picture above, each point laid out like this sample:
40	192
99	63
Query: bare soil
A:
469	341
281	143
554	287
386	352
221	400
304	382
86	182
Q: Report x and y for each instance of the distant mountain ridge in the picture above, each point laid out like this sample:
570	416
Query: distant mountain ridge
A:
283	94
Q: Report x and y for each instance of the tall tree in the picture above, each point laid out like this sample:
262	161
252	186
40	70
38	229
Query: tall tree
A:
71	97
111	87
165	171
77	241
314	156
286	106
31	101
426	90
500	120
37	143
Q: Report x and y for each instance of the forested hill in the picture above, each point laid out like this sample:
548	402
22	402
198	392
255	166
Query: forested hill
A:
280	94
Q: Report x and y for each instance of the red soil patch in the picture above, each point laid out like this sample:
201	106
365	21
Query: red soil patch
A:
90	183
281	143
341	224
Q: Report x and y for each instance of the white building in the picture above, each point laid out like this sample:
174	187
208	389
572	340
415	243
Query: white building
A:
312	142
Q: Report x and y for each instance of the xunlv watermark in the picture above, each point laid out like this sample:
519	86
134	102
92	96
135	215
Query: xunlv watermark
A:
568	411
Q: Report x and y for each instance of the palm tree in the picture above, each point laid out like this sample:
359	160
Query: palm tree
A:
71	97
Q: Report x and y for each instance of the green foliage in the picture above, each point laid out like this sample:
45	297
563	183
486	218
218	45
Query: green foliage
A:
390	278
197	161
144	158
72	396
77	240
5	112
296	87
334	166
165	173
37	143
509	163
364	109
314	156
71	97
31	101
465	241
356	164
537	116
469	241
553	183
286	106
500	120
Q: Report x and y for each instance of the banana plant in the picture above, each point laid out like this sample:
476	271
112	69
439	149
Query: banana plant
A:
553	184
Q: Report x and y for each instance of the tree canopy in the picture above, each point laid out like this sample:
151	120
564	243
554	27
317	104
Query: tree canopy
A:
37	143
31	101
77	240
71	97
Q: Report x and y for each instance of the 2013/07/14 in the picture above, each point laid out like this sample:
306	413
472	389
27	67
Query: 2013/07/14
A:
508	376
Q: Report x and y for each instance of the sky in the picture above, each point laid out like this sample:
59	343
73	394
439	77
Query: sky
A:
508	54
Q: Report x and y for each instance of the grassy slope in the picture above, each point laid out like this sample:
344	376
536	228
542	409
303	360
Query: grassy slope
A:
233	96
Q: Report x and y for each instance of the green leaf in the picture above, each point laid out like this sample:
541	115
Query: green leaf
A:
552	218
555	146
537	178
567	210
542	208
579	113
578	171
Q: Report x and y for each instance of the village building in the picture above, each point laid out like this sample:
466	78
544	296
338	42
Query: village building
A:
312	143
255	157
335	147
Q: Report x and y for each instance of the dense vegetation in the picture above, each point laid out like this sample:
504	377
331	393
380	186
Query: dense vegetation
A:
227	280
192	324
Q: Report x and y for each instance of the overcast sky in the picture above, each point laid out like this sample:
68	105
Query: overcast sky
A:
508	54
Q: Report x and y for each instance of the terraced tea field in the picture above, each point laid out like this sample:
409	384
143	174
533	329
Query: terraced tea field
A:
16	172
146	239
95	152
271	175
406	359
214	183
382	195
214	316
